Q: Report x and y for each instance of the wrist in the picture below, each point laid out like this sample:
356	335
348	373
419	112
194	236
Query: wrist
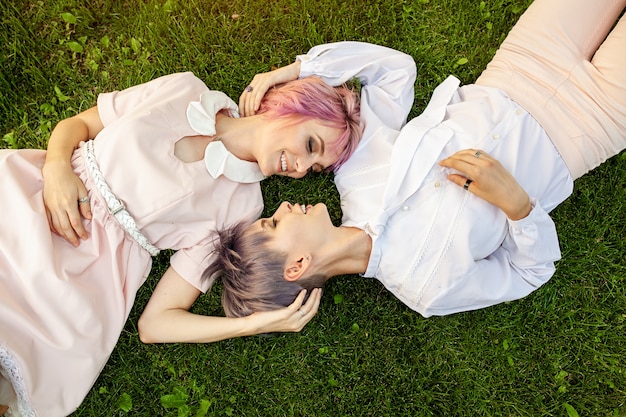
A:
55	163
250	325
296	68
522	211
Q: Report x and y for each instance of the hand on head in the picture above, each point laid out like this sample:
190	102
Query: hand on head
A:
485	177
292	318
251	97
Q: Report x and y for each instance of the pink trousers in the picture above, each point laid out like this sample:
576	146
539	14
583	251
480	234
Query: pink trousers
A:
564	61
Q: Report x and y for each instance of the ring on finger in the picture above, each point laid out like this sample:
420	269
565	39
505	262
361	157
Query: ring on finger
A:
83	200
467	184
301	313
477	154
249	88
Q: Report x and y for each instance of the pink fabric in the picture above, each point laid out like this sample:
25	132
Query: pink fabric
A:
556	64
62	308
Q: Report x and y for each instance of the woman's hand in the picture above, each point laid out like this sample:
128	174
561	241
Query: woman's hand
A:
488	179
62	194
250	99
289	319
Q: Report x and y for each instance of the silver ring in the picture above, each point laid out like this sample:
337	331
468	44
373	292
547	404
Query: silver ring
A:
249	88
477	154
301	313
83	200
467	184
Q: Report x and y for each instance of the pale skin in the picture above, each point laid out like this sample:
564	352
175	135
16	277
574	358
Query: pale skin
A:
315	246
278	146
249	101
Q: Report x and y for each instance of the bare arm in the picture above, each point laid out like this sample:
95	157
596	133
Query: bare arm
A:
62	188
166	318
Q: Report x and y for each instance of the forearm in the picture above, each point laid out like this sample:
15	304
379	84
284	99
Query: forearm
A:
179	325
372	64
166	318
68	134
63	141
520	265
387	77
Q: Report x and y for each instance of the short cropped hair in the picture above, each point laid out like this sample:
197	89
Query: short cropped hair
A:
312	98
252	273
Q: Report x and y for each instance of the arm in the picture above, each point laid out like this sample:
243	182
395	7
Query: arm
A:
62	188
521	264
166	318
386	75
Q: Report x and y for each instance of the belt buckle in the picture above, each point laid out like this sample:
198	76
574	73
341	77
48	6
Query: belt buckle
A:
119	207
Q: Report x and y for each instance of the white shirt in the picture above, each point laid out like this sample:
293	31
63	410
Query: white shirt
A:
435	246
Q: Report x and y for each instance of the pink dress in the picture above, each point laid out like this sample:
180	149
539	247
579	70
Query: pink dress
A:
62	308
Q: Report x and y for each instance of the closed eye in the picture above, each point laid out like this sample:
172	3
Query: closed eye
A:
310	145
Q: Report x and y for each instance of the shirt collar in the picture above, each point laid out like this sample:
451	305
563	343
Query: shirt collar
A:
218	160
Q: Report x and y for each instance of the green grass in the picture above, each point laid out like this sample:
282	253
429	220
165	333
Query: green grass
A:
558	352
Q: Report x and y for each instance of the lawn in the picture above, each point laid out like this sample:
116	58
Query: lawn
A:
558	352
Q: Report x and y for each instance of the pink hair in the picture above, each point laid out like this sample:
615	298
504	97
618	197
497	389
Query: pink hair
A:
312	98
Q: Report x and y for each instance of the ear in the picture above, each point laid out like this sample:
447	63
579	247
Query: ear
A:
296	269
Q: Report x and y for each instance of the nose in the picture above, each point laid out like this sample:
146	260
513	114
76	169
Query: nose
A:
288	208
284	208
303	165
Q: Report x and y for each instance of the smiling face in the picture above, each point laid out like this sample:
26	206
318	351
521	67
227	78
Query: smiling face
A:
292	147
296	232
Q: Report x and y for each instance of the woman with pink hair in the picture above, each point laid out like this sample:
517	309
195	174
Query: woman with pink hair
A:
160	165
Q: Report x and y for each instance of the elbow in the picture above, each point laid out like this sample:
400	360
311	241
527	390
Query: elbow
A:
145	328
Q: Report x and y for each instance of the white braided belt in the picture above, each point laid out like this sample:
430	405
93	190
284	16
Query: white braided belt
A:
116	207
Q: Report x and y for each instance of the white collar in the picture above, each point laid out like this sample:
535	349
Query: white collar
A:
218	160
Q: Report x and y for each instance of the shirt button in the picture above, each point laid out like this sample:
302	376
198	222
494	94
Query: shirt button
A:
518	112
405	208
496	136
437	184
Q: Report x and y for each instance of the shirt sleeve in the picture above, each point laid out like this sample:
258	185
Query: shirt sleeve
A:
173	90
386	76
190	263
523	263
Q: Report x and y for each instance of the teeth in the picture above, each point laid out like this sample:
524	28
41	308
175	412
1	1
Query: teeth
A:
283	162
303	208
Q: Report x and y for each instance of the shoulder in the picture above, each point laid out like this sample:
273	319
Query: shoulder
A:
184	80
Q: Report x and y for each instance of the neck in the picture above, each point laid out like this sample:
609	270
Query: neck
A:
350	252
237	134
